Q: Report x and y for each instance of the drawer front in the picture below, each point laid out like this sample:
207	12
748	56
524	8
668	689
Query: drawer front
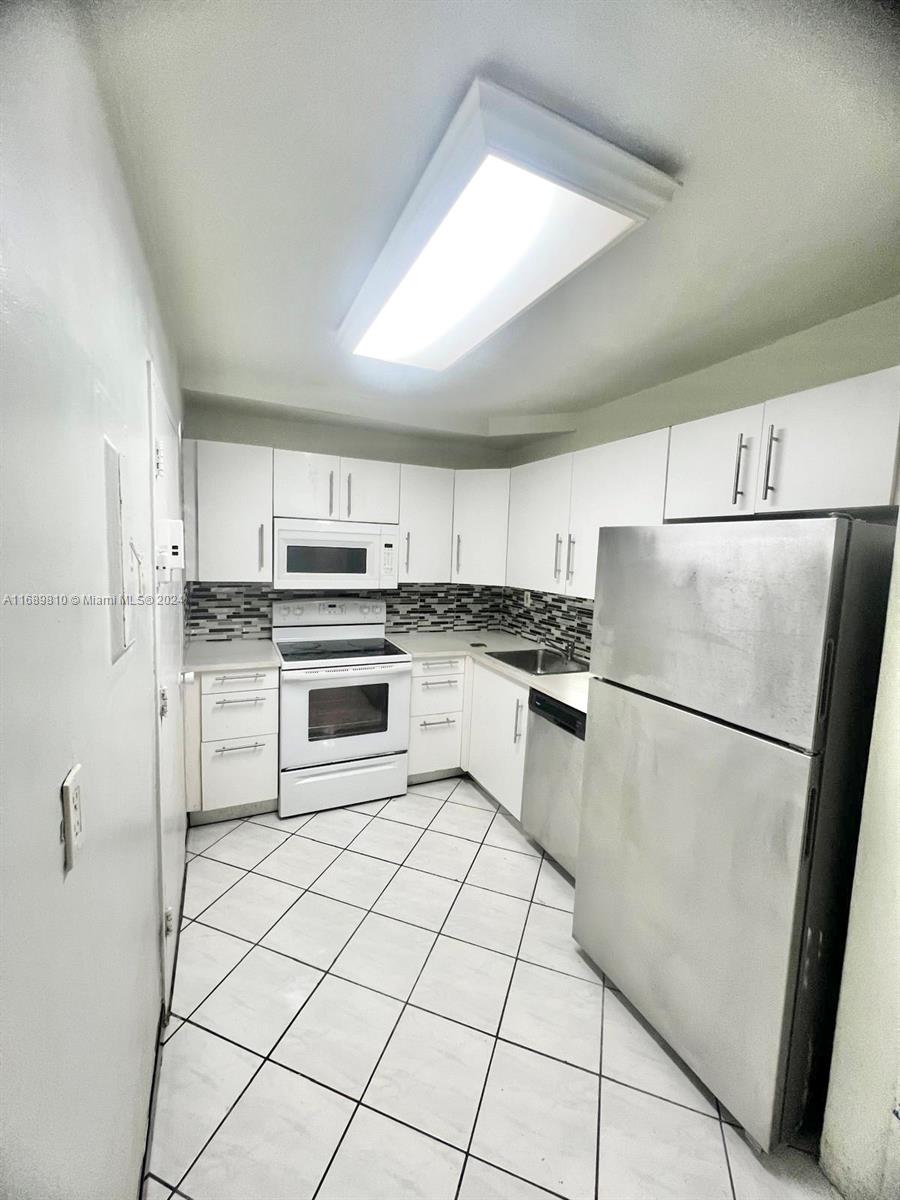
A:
442	695
239	771
434	668
239	714
214	682
435	743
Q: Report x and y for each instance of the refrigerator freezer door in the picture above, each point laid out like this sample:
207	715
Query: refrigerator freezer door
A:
690	888
734	619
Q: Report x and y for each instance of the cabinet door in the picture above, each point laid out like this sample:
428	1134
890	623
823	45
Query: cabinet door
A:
426	524
497	740
370	491
234	513
831	447
619	483
480	515
539	524
306	485
712	465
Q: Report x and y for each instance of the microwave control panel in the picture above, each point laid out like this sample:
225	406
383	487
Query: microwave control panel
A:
388	562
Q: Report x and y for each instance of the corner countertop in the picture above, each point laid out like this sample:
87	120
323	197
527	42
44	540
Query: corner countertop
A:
237	655
571	689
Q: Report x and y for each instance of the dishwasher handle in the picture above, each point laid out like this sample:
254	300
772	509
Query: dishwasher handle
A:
558	713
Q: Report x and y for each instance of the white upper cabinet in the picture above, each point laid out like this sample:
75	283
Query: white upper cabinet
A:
831	447
539	524
498	726
306	485
619	483
480	515
370	491
713	465
426	524
234	513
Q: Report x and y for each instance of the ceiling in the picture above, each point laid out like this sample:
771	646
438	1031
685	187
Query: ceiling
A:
269	148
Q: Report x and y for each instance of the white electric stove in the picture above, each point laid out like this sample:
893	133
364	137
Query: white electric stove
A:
345	693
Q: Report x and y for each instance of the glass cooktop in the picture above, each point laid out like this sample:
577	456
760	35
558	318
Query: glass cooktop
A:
295	652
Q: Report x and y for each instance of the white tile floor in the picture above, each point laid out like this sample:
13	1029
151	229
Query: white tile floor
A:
386	1002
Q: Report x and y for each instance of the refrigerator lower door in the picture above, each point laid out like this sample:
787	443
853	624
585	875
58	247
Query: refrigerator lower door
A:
690	888
736	619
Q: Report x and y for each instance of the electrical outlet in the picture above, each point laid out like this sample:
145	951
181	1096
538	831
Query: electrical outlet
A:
526	599
72	831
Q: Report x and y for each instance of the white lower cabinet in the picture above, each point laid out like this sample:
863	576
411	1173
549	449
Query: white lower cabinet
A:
241	770
231	739
499	719
435	743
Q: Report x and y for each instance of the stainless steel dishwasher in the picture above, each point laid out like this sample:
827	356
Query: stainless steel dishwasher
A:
554	761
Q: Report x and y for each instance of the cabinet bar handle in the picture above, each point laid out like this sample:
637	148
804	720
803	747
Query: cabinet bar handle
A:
458	548
517	733
556	553
230	749
241	700
570	557
443	721
349	491
429	683
408	537
262	531
439	662
741	447
230	678
331	493
768	487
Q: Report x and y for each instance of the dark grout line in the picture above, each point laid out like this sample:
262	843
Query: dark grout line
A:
599	1094
725	1149
487	1073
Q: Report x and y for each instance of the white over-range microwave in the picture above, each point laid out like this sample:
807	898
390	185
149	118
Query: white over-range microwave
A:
334	555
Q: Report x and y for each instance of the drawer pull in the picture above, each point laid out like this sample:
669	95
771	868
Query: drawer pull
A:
241	700
233	678
231	749
443	721
428	683
439	662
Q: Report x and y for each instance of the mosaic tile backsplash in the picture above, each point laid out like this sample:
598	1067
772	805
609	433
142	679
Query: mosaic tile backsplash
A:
244	610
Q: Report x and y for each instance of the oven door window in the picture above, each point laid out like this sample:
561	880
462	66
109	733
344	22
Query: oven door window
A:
326	560
348	711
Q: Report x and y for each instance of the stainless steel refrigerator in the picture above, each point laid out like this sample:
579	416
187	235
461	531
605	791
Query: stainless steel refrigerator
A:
735	667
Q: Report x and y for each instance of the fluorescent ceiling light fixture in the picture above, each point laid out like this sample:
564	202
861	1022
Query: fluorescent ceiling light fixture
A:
514	200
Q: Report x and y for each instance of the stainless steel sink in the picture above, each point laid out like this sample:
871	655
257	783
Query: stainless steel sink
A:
540	661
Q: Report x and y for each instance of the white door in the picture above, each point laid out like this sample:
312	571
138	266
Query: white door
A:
712	465
480	515
426	524
234	513
497	738
539	495
831	447
619	483
370	491
168	659
306	485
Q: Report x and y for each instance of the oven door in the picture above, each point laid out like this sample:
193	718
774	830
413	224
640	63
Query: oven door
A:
314	555
334	714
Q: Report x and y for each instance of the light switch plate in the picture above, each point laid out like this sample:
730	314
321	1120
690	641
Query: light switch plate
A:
73	815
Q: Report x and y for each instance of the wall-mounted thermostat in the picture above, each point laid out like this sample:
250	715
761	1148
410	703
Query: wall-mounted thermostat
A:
169	544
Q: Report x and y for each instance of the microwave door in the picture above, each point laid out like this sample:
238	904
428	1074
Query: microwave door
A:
325	558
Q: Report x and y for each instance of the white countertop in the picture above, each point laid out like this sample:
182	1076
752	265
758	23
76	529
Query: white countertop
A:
571	689
237	655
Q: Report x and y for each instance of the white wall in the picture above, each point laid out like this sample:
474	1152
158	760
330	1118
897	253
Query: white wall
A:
79	977
861	1138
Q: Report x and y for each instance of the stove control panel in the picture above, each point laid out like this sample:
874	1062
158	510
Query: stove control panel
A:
323	610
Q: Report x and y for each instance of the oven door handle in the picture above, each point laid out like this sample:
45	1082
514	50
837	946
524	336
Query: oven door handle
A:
350	674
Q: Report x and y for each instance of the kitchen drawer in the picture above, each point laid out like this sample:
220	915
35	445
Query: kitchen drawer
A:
436	695
239	714
214	682
426	668
435	743
239	771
